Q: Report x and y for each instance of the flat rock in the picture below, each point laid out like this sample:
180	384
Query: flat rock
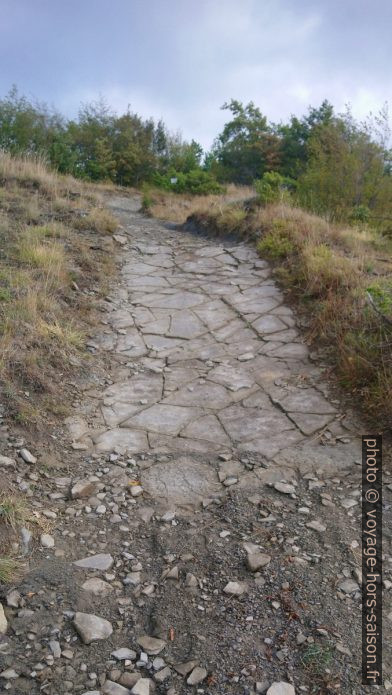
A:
84	488
257	561
102	561
91	627
184	668
46	540
124	653
151	645
7	462
284	488
131	441
197	676
235	588
281	688
142	687
112	688
97	587
27	456
348	586
316	526
3	621
184	481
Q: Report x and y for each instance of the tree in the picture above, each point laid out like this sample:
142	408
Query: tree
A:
294	138
247	147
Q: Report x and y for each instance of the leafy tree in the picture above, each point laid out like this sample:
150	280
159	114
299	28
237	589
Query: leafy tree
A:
294	138
247	147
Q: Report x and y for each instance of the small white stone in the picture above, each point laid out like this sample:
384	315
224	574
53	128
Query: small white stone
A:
3	621
47	541
136	490
285	488
316	526
281	688
27	456
235	588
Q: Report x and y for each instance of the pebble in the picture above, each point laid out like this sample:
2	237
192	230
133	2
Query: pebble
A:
102	561
6	461
230	481
184	668
348	586
55	648
9	674
256	561
124	653
151	645
235	588
27	456
162	675
197	676
112	688
136	490
47	541
91	627
13	599
97	587
285	488
316	526
281	688
84	488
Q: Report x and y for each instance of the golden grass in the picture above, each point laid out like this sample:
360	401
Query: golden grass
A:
176	207
99	220
329	270
14	511
47	259
10	569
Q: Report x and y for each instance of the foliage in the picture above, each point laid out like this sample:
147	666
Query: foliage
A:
247	147
326	162
196	181
273	187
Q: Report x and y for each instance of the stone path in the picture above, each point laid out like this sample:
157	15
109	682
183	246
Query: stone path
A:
210	360
199	518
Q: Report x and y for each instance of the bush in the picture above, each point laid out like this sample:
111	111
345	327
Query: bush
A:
360	213
273	188
197	182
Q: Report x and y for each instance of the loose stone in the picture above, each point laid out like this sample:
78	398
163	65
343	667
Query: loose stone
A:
91	627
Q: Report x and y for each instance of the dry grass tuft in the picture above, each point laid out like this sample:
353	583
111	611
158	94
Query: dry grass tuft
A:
54	249
177	207
10	569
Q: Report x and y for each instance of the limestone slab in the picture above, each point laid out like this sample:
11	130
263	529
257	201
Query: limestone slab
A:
163	418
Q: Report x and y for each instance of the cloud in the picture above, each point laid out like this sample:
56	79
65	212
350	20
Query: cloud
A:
181	61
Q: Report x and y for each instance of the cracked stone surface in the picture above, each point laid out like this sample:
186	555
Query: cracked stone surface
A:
209	359
203	501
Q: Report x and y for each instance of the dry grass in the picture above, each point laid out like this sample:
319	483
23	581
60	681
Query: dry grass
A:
329	270
176	207
13	510
10	569
54	236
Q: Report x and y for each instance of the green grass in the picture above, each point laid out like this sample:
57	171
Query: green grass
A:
317	658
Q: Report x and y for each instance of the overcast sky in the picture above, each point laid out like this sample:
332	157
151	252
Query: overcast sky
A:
181	59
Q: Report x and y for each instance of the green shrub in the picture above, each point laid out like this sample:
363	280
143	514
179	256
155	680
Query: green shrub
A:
275	245
196	181
272	188
360	213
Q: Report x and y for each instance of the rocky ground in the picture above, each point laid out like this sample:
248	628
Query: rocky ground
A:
200	510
